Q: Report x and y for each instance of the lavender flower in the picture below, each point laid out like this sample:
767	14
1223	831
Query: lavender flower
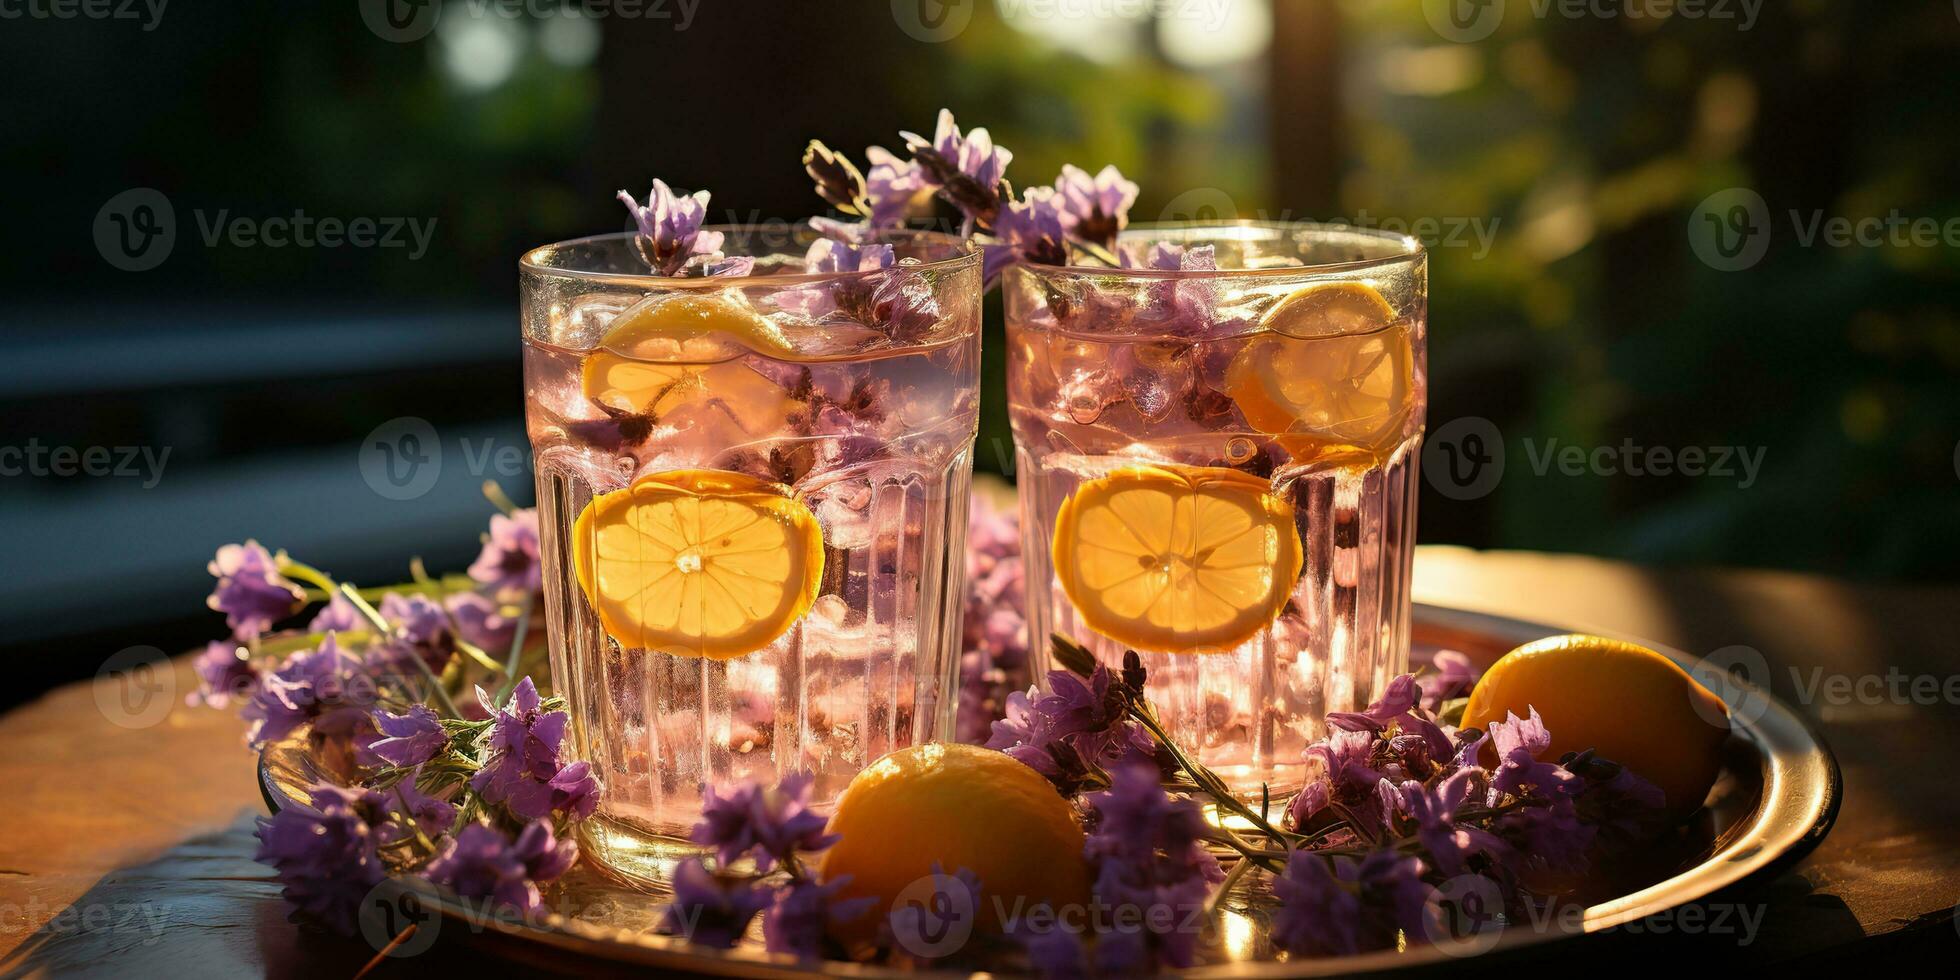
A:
575	791
1549	836
325	686
482	863
250	591
892	185
1095	209
967	170
803	911
223	672
481	621
508	563
411	738
670	237
1029	230
520	753
1069	734
709	911
1354	907
1519	742
1148	851
1434	810
772	823
325	854
833	255
1055	953
431	815
421	630
1454	674
1319	914
337	616
994	657
1343	777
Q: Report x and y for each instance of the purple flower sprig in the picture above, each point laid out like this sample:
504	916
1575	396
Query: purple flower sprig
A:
670	237
774	828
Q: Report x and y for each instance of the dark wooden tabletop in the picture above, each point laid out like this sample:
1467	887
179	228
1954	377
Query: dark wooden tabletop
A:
125	845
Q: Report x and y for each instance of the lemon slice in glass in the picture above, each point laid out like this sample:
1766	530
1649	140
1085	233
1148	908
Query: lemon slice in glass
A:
698	563
669	354
1178	559
1333	376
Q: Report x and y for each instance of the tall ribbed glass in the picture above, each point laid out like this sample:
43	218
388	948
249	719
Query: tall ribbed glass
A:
752	493
1217	450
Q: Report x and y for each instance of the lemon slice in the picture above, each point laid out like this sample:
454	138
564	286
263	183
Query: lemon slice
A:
1181	559
669	354
698	563
1333	379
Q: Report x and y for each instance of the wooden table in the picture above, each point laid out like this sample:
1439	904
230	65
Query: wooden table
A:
127	850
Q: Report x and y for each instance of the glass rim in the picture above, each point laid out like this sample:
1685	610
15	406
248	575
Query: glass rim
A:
535	260
1410	248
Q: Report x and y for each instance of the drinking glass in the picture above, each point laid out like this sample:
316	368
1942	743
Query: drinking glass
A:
1216	458
752	499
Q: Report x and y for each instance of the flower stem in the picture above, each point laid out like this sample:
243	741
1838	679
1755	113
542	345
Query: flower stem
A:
497	497
436	691
517	648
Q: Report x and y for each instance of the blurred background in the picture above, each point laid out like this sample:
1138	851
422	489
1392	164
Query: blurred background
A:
245	241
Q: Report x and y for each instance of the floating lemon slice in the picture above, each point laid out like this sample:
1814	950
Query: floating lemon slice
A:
1177	558
698	563
1333	380
661	357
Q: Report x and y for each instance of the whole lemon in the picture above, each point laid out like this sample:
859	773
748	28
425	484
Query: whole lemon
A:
1622	700
960	807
